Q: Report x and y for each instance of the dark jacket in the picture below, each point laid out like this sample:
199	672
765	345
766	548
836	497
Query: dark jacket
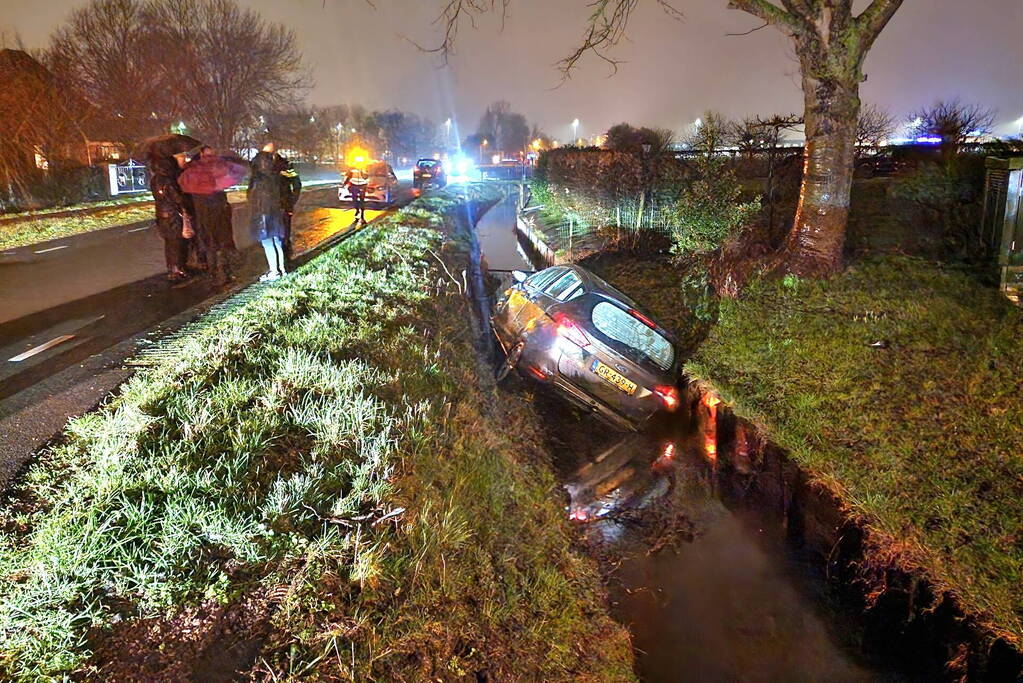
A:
292	183
266	186
163	182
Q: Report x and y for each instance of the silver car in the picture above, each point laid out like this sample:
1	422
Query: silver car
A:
567	328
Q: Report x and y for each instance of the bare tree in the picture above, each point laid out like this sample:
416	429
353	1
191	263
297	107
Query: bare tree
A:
874	126
507	130
954	122
228	63
104	53
831	43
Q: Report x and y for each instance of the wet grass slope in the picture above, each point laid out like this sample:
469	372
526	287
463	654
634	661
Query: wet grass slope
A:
898	385
327	453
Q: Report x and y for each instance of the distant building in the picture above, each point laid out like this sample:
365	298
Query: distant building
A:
44	126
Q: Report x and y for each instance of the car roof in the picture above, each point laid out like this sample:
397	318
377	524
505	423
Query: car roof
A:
594	284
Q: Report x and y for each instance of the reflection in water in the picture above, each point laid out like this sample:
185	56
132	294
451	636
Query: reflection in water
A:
710	426
496	234
718	602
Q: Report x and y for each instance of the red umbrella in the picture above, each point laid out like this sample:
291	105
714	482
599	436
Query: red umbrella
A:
213	173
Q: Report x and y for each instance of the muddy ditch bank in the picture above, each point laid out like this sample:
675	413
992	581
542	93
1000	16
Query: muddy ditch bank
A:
901	615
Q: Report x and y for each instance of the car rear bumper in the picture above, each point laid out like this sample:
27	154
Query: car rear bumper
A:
595	406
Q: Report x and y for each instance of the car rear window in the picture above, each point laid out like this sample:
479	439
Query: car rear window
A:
622	327
428	164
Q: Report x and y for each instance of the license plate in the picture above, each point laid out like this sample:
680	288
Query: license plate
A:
616	379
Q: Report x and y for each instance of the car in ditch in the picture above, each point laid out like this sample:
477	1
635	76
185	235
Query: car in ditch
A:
567	328
382	185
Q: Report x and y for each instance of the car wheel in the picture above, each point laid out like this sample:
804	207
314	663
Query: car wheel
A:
510	361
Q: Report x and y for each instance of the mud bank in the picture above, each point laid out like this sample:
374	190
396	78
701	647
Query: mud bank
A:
902	616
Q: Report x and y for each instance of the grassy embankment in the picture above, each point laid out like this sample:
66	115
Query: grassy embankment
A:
921	434
322	462
30	229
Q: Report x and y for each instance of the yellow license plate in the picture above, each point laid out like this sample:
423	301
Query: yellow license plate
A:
614	378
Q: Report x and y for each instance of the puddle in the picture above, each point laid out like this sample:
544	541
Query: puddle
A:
709	592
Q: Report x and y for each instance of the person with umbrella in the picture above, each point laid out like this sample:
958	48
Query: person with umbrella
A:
173	215
266	208
164	156
206	178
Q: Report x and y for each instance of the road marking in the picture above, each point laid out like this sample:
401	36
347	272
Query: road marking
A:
43	251
42	347
144	227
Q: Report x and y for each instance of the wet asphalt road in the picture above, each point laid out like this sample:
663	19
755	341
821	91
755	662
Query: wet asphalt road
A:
94	299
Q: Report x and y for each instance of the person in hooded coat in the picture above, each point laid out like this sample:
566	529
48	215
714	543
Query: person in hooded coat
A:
265	198
172	205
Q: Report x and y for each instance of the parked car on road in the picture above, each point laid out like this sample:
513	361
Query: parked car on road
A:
428	172
382	186
567	328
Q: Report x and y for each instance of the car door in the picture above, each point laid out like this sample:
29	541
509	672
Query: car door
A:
523	303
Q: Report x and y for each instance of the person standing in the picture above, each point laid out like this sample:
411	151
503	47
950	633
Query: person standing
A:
172	214
214	229
356	180
289	198
266	207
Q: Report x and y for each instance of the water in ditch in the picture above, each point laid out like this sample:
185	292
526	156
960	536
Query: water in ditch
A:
709	592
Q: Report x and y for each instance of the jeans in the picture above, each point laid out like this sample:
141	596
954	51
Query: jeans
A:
273	247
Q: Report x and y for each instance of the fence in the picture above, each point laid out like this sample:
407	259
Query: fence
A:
127	178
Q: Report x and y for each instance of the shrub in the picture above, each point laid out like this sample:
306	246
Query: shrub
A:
947	195
709	210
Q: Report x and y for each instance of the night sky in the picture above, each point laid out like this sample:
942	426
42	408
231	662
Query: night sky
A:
672	71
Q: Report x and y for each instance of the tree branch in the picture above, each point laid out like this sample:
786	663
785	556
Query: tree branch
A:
752	30
771	13
873	19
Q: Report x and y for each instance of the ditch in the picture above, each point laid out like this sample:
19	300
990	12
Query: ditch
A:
711	588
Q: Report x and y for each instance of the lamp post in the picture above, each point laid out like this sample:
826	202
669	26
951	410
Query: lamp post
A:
575	132
483	144
447	132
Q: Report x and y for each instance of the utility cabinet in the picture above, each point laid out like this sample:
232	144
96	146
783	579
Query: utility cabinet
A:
1003	220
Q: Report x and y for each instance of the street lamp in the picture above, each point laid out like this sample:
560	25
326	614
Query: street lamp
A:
447	126
338	128
575	132
483	144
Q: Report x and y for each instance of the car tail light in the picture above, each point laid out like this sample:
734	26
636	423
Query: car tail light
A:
568	329
643	319
537	372
668	396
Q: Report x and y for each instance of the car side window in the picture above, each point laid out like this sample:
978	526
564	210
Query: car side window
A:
573	293
538	280
562	285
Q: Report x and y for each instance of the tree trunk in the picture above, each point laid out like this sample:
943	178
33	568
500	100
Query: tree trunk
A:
814	246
